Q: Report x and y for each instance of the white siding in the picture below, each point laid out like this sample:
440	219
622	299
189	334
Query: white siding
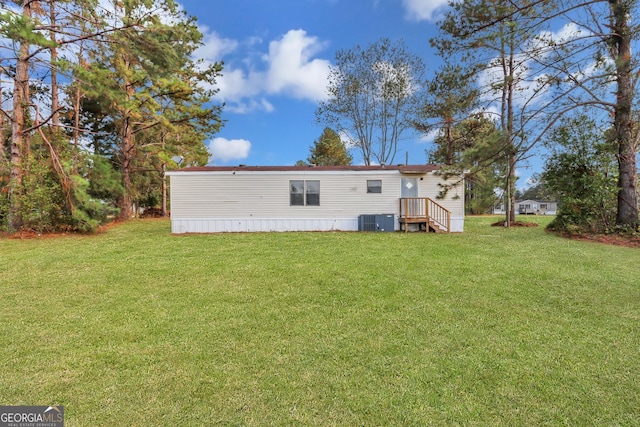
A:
259	201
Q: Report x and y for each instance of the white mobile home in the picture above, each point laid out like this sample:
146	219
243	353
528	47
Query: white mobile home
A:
529	207
536	207
312	198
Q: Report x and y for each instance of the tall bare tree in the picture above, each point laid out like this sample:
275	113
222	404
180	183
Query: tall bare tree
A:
374	97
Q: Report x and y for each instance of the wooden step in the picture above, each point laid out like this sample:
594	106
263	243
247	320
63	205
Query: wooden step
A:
436	229
430	224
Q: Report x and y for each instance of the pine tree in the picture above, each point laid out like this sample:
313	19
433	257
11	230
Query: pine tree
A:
146	78
132	73
473	147
536	75
329	150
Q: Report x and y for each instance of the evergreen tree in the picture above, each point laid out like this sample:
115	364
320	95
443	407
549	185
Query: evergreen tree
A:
147	80
329	150
132	74
472	146
450	99
536	74
485	35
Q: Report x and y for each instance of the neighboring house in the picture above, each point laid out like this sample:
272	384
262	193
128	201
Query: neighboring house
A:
313	198
536	207
499	209
529	207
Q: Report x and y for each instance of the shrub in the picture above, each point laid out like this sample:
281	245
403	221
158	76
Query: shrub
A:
582	171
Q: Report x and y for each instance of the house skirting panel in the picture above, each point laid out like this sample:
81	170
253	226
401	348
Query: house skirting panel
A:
226	225
457	224
231	225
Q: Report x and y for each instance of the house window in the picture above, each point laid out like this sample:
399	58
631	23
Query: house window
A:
313	193
296	189
374	186
303	193
543	206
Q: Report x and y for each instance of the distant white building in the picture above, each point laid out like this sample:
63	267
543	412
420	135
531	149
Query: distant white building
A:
308	198
536	207
529	207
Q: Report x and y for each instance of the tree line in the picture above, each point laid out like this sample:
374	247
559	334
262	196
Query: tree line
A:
516	75
96	99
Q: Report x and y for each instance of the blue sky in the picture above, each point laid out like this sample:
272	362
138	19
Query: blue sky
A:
277	56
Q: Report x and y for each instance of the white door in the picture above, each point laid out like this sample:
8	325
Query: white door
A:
409	187
409	190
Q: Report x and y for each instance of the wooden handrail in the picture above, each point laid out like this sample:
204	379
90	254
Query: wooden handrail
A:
416	208
439	215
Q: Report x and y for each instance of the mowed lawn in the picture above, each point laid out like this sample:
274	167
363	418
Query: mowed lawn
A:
138	327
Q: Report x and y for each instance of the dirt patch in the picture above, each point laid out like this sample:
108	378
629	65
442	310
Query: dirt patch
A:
30	234
515	224
629	241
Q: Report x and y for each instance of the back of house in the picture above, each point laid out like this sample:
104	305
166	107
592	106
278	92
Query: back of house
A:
306	198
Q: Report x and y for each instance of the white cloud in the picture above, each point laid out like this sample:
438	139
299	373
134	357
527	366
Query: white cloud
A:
293	71
429	136
423	10
255	40
349	141
229	149
250	105
289	68
236	85
214	47
568	32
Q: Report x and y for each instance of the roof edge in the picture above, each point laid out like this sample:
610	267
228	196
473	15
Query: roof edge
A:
424	168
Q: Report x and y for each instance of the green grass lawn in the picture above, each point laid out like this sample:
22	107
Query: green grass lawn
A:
137	327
